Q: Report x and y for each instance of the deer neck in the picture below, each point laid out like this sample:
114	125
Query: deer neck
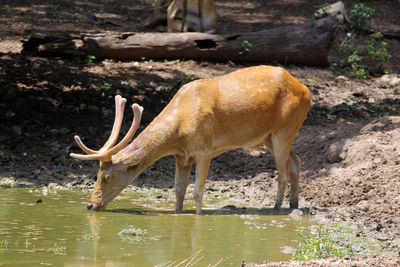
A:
157	140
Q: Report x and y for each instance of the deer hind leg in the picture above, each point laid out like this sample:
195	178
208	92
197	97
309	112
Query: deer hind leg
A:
182	174
202	167
200	13
184	13
280	146
294	166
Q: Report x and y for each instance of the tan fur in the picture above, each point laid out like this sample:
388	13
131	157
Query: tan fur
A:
184	15
252	106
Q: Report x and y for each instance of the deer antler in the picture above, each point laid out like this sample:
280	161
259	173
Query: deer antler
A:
104	154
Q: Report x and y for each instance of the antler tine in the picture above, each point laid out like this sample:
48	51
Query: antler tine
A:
119	115
83	147
104	153
87	157
137	111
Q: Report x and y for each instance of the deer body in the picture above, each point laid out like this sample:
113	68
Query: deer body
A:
246	108
184	15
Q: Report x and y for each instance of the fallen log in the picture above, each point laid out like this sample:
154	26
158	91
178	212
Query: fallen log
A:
304	44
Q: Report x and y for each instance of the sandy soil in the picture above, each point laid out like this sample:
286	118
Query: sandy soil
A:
348	145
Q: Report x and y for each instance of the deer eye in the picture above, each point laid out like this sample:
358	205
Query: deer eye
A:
106	178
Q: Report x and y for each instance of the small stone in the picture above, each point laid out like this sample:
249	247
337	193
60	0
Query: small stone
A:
296	214
341	78
364	205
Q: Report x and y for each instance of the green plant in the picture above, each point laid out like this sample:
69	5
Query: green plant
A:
90	58
360	16
322	8
350	100
359	60
245	47
361	73
354	59
57	250
377	50
78	54
325	243
78	9
187	78
132	233
86	237
107	86
4	244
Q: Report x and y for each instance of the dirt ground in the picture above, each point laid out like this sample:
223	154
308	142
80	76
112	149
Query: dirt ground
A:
349	144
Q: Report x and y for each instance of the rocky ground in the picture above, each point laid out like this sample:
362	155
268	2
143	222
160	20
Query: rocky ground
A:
348	145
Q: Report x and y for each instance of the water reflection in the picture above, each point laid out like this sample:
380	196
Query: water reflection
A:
91	238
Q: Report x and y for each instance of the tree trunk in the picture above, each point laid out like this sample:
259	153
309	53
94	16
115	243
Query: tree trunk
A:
306	44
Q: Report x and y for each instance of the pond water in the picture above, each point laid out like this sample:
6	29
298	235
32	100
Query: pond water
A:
60	231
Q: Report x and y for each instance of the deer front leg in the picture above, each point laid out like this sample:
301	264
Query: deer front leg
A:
182	174
171	14
202	167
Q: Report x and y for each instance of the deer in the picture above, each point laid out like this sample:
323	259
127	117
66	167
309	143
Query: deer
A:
184	15
205	118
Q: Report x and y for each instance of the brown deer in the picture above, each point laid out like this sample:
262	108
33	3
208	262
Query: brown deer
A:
207	117
184	15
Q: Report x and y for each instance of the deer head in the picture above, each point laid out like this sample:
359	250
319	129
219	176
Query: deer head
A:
113	175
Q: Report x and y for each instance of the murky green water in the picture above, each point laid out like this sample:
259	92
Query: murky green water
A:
60	231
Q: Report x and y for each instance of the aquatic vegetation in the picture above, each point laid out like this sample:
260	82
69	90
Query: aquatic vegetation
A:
87	237
4	244
132	233
57	250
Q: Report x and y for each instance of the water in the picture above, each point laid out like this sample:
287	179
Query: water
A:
60	231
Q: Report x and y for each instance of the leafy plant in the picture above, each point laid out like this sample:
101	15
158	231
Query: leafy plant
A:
325	242
360	16
78	9
245	47
57	250
107	86
132	233
86	237
90	58
322	8
358	60
4	244
187	78
361	73
377	50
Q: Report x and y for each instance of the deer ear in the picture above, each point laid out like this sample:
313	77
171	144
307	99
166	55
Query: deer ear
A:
130	159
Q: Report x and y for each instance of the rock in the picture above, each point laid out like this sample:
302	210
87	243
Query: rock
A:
364	205
341	78
153	84
394	82
333	154
287	250
337	9
296	214
388	81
